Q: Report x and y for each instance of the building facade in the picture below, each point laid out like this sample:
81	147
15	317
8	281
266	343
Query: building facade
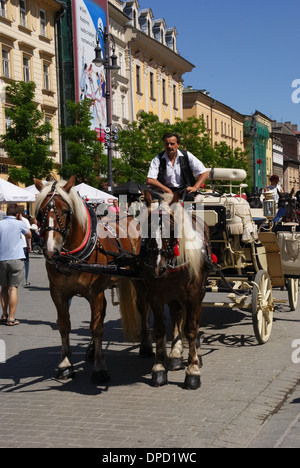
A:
223	123
259	149
28	53
289	137
153	66
151	69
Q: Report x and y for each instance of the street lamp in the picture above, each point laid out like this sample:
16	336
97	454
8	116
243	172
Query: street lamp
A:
109	63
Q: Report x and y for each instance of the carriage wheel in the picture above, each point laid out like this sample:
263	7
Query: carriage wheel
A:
292	286
262	306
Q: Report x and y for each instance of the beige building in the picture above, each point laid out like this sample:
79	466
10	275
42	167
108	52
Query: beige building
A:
28	53
222	122
150	78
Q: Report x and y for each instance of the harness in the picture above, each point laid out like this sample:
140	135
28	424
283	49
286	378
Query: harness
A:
88	244
186	171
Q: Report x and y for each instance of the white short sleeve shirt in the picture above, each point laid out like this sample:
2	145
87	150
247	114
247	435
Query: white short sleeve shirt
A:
173	173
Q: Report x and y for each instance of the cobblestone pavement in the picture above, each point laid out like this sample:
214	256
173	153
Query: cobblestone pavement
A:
249	397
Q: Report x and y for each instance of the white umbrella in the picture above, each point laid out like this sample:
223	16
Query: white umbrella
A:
12	193
93	195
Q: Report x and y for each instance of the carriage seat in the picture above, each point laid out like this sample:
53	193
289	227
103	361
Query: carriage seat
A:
239	219
234	175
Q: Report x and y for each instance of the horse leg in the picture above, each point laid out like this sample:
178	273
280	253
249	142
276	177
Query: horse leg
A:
98	309
146	349
176	354
159	370
192	379
65	368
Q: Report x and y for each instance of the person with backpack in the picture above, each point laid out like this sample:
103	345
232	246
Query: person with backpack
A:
176	170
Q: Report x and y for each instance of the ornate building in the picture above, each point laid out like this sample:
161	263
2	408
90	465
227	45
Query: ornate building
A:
28	53
151	72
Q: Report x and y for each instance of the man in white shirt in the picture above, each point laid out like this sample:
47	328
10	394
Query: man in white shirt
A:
174	170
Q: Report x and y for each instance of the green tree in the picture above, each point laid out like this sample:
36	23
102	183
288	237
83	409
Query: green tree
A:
138	144
86	157
27	140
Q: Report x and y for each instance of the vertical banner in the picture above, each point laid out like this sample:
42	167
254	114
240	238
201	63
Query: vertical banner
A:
88	16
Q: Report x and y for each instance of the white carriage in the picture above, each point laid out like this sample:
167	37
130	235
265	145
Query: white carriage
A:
251	258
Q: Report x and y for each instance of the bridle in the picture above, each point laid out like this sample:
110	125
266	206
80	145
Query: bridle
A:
51	206
169	244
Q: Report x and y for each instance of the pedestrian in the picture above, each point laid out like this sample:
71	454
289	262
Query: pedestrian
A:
275	187
26	244
176	170
11	262
115	207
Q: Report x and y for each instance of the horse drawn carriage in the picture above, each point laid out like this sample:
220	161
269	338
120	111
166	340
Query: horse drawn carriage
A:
168	256
255	255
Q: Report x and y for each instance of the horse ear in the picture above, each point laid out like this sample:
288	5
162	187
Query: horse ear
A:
39	184
292	191
70	183
147	197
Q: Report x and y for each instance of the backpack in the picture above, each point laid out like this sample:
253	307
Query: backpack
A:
186	172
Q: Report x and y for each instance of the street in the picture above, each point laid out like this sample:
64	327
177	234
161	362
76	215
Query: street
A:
250	393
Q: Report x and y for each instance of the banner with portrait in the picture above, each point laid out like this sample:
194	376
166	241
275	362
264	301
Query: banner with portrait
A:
88	16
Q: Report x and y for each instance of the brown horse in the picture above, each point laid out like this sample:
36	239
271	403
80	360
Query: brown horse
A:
175	275
72	236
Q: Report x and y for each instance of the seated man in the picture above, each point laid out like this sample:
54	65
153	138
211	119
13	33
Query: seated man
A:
175	170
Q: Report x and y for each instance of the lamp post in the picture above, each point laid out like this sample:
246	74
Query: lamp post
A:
109	63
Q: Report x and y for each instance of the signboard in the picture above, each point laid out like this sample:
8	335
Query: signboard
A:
88	16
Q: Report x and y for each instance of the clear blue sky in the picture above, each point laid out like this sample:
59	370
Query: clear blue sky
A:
245	53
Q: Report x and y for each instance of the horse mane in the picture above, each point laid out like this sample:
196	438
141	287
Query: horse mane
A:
71	198
190	240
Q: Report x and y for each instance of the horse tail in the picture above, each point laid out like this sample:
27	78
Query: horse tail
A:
129	312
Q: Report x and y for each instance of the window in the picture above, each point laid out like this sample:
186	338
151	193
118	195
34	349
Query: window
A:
48	120
46	73
3	8
8	122
5	63
138	79
43	23
174	97
26	69
23	20
123	103
152	85
164	91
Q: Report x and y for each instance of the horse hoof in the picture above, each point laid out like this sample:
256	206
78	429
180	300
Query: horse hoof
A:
65	373
159	379
100	377
176	364
192	382
146	351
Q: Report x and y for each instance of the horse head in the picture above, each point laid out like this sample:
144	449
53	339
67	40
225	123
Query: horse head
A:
289	203
161	242
56	206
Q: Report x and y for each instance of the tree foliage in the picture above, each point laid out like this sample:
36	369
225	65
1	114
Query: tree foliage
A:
27	140
86	158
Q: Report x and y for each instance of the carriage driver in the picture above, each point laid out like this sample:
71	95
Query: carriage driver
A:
175	170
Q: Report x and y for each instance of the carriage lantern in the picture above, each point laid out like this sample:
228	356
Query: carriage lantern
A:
269	205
